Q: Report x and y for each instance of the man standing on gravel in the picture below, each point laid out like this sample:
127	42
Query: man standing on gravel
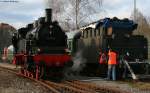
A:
112	62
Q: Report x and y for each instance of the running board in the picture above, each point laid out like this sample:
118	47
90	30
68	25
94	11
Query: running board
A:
143	76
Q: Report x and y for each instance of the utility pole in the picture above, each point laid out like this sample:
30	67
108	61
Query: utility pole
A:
135	15
76	9
135	11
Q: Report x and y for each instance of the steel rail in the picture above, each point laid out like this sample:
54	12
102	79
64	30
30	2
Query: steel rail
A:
72	86
99	88
79	86
52	90
65	88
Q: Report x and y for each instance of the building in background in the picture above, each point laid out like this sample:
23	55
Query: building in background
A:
6	32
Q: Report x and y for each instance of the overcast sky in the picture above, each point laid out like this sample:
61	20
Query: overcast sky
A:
26	11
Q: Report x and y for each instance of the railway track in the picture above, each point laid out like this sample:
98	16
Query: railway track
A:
72	86
94	87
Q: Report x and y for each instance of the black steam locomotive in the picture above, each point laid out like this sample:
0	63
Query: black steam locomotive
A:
107	33
41	48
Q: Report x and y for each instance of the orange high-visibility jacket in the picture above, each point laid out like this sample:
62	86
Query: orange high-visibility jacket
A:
112	58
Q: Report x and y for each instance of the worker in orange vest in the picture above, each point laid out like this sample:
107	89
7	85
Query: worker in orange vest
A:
102	59
112	62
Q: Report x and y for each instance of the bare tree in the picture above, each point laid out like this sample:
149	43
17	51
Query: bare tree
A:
78	12
143	24
143	27
82	9
148	18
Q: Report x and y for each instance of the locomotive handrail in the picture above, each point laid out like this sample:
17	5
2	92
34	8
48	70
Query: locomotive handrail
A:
130	70
138	62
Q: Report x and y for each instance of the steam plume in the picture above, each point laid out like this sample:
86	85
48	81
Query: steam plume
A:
49	3
79	62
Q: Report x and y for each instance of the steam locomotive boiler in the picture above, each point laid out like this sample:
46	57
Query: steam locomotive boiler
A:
42	48
98	37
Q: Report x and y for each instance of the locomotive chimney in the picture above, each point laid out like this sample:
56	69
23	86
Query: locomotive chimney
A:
48	15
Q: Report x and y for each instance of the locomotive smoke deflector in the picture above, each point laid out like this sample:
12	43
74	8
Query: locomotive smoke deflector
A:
48	15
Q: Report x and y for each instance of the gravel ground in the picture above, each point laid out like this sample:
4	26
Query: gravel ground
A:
127	86
10	83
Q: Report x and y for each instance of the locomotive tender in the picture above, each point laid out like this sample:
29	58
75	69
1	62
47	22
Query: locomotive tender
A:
107	33
42	48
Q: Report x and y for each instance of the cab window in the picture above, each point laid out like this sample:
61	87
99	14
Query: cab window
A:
99	31
70	45
83	34
87	34
94	32
90	32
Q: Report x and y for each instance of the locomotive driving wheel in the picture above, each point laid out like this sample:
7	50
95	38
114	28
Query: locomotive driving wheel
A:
40	70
